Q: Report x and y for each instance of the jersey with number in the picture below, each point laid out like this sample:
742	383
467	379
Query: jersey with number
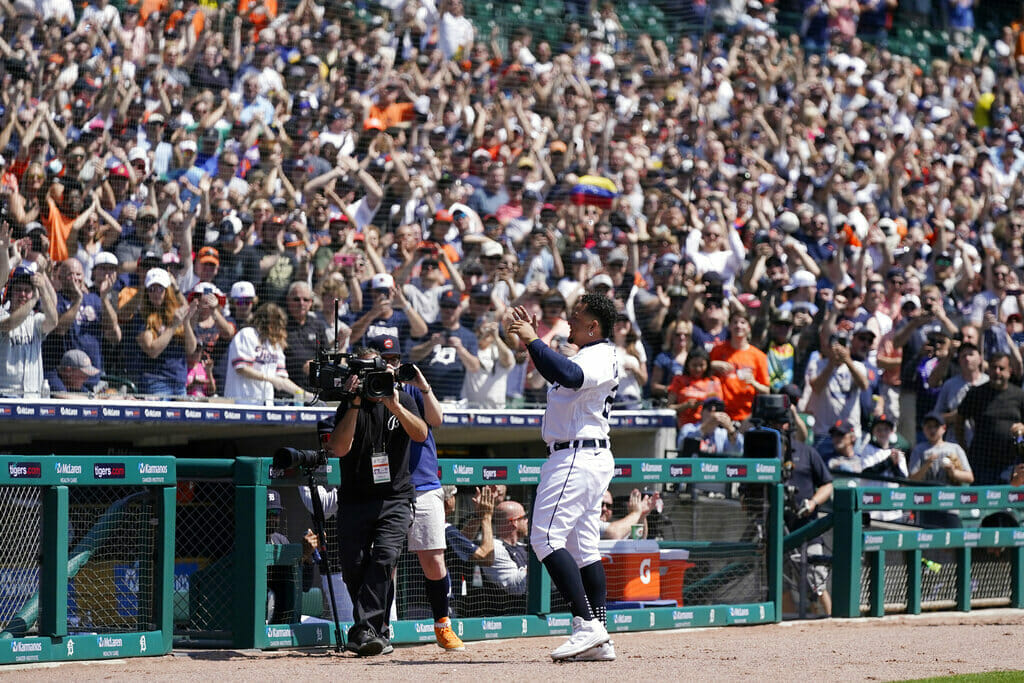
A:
583	413
266	358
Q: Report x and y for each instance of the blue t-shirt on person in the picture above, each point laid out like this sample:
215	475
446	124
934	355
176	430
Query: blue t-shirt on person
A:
443	368
669	365
167	368
708	340
85	333
422	454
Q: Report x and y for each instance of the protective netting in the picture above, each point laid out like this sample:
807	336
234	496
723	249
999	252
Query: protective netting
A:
20	533
111	559
203	543
723	538
729	542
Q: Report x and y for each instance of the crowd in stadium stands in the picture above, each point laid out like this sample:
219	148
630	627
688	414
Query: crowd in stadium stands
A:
198	196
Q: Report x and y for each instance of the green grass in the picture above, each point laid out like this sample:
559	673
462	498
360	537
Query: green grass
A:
990	677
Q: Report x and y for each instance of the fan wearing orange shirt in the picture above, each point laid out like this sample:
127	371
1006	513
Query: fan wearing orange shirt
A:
742	368
689	389
67	213
388	109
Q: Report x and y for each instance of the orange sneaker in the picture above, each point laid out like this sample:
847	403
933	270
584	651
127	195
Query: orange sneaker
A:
446	637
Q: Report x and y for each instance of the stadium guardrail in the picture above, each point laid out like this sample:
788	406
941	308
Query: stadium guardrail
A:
223	557
993	552
86	555
225	590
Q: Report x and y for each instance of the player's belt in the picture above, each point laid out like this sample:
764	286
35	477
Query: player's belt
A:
580	443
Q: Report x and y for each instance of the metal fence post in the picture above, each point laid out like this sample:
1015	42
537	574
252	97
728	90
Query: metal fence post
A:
1016	577
876	561
773	542
913	558
53	575
963	579
538	588
249	566
163	566
846	555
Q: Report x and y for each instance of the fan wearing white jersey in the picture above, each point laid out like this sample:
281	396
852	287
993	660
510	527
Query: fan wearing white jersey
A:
567	507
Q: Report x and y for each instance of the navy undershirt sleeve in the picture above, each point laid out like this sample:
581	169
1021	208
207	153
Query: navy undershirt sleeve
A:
554	367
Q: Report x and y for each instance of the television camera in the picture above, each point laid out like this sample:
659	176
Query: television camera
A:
329	373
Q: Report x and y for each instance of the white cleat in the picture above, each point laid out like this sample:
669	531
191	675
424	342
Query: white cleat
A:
602	653
585	635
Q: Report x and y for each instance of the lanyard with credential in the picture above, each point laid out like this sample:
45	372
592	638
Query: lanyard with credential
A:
379	457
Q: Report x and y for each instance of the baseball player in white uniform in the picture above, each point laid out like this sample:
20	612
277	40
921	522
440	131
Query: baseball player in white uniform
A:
567	509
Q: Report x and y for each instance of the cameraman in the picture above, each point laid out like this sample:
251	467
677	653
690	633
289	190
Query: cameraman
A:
372	438
812	487
427	533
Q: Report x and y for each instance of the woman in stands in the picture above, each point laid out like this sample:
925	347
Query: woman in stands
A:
163	332
672	359
633	373
687	391
27	203
256	364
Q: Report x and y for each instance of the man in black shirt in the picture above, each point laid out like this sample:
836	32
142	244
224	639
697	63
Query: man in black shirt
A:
372	438
813	483
997	409
306	332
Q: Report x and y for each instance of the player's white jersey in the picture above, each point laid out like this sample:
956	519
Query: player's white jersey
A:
583	413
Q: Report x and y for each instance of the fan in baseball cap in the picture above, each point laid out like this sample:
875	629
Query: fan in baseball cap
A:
158	276
714	403
382	282
386	345
76	359
840	428
450	299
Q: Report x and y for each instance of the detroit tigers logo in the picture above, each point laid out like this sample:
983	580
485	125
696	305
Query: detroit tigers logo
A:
392	423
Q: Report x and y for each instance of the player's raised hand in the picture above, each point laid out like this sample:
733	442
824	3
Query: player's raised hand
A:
523	328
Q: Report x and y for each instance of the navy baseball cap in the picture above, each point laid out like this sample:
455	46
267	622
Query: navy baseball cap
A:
21	273
936	417
714	403
481	290
450	299
884	419
386	345
579	256
274	500
841	427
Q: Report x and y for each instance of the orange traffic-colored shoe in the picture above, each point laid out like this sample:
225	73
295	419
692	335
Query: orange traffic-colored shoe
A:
446	637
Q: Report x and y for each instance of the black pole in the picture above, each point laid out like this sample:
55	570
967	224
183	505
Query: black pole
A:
325	564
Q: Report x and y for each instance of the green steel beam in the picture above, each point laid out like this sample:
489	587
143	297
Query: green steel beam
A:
1017	578
914	582
163	565
774	558
53	576
876	564
249	590
963	579
847	548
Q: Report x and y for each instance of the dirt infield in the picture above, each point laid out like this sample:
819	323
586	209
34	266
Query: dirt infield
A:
892	648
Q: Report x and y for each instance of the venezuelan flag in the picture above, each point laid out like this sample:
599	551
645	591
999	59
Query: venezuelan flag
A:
595	191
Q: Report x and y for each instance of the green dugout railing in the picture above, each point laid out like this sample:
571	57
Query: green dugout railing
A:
41	630
853	544
540	621
246	621
251	554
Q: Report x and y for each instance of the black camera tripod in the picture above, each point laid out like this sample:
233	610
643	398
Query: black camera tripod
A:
321	558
